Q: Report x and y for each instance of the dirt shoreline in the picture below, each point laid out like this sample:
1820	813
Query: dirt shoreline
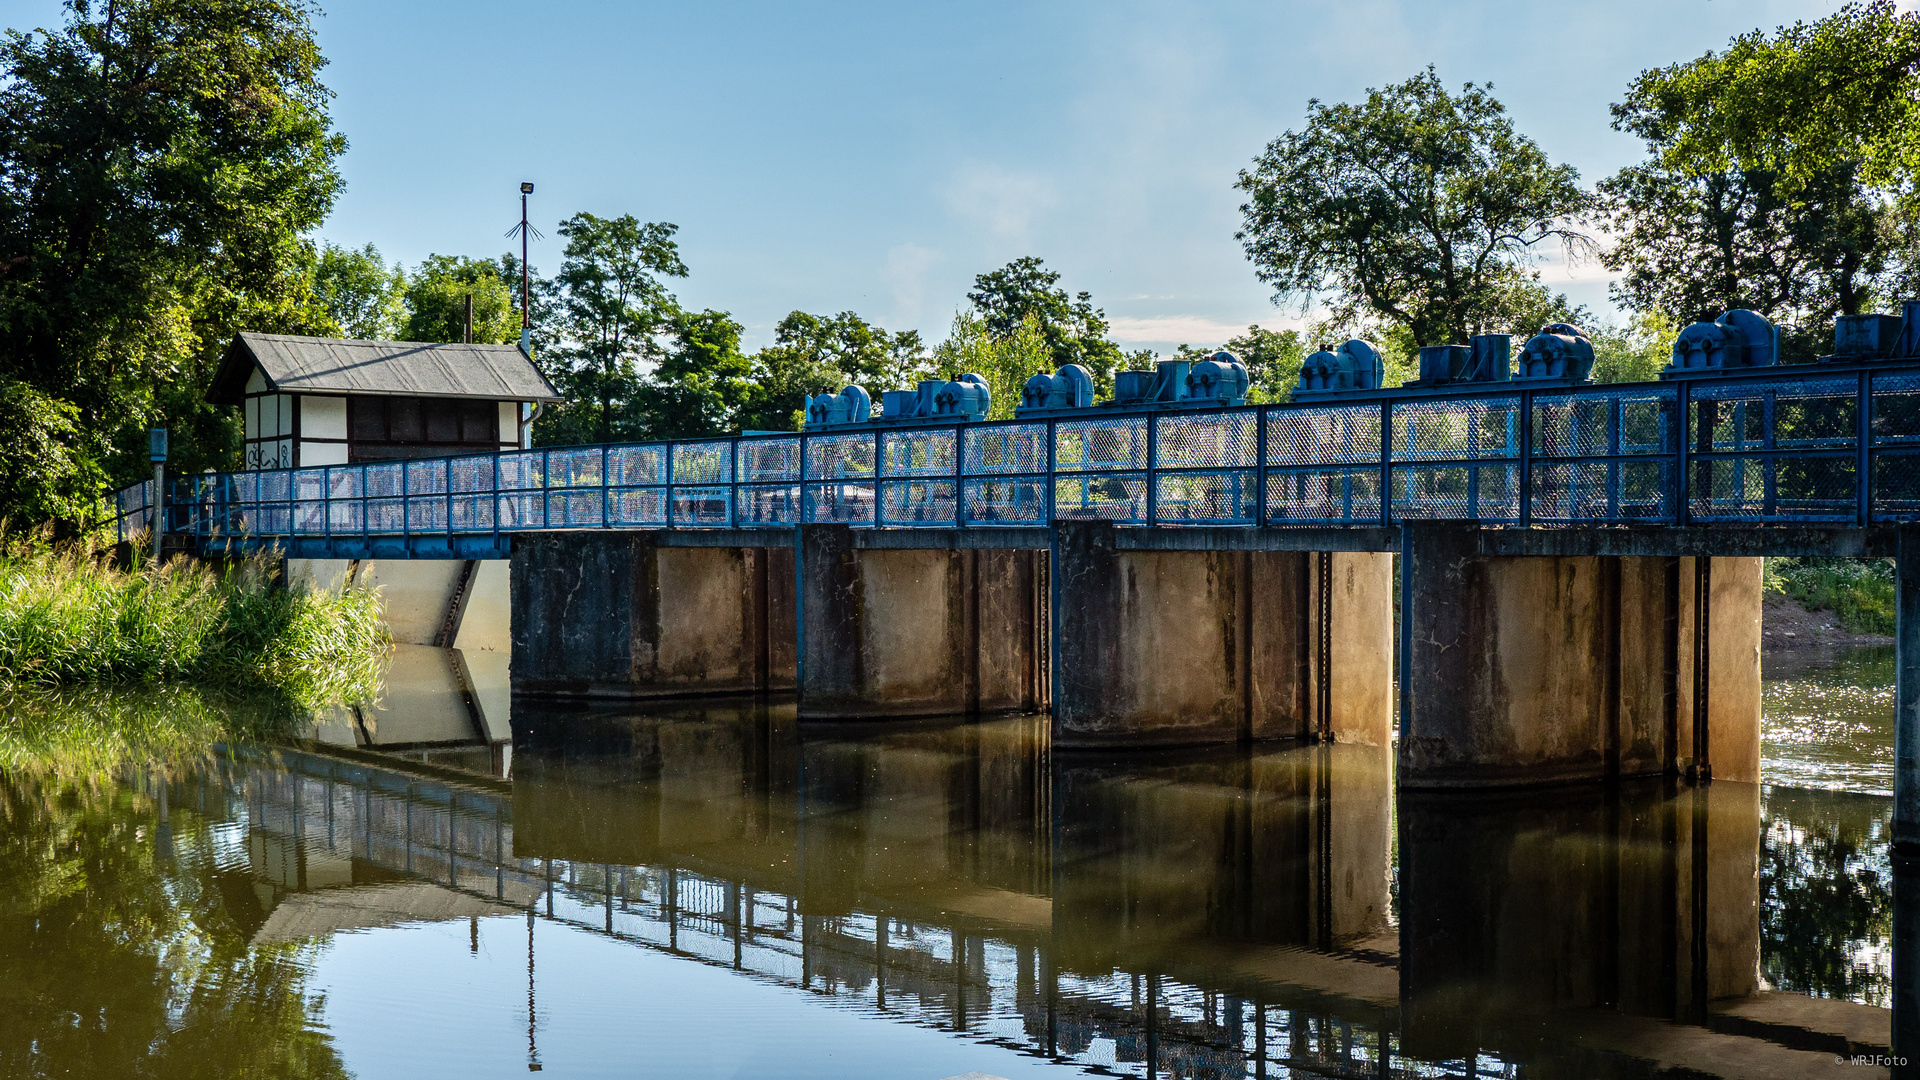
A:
1795	639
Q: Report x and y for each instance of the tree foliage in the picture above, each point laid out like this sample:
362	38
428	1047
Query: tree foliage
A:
1751	196
612	307
363	296
812	353
160	162
1416	207
1075	330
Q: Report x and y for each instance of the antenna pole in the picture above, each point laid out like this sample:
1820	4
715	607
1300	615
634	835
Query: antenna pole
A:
526	312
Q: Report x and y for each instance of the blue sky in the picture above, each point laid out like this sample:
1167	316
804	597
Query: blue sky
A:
875	157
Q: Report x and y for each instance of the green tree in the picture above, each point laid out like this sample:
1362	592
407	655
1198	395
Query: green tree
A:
1791	104
1273	359
363	296
812	353
1414	208
160	163
436	301
1747	199
1075	330
702	383
612	310
1005	359
1636	352
48	469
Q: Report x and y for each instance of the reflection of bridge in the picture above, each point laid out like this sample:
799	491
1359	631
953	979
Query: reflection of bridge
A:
1223	915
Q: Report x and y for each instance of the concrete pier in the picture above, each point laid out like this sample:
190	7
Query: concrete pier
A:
1211	646
1551	668
619	614
902	632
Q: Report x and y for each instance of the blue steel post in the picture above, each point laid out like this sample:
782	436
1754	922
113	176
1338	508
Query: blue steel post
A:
1683	455
406	507
1260	466
496	501
1863	453
879	474
546	485
1386	463
1051	483
1153	469
449	478
606	481
733	482
1526	459
959	478
668	509
326	505
366	517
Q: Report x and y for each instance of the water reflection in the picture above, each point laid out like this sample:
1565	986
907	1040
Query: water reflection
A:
1829	724
1267	913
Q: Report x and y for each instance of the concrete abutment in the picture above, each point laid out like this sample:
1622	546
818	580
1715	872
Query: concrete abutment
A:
1545	669
602	614
1197	647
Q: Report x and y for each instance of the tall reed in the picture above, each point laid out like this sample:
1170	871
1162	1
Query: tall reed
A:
67	618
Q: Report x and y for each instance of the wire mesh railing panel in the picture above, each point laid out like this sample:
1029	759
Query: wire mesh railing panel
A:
522	510
427	514
637	506
636	466
1455	428
1120	497
471	474
1105	445
573	509
769	458
839	456
1456	492
1224	497
1006	501
1805	413
472	513
381	480
1896	487
1598	423
1601	492
1323	434
1207	441
1773	487
1896	408
575	468
1323	496
917	452
386	515
923	503
844	503
706	507
428	477
521	470
768	504
1000	449
703	463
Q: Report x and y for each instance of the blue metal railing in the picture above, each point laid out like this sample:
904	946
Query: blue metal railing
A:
1828	444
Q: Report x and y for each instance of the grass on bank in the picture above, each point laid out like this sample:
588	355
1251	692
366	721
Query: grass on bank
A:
67	619
1859	592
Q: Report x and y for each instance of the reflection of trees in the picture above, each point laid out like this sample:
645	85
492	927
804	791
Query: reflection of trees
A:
116	960
1825	894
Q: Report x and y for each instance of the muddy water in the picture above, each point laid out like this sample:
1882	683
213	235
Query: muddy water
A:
712	891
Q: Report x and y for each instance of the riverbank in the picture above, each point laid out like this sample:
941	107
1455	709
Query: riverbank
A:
67	618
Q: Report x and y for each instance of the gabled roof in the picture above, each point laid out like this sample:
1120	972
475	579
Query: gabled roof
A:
314	365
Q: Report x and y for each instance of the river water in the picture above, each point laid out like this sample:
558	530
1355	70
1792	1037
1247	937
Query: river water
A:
707	890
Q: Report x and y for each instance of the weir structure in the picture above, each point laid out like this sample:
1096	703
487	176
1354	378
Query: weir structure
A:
1578	589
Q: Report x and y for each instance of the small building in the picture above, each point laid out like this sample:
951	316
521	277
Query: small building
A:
332	401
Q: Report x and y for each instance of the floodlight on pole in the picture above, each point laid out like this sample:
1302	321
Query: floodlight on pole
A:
526	276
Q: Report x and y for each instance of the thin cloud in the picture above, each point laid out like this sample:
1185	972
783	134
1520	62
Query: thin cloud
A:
1005	201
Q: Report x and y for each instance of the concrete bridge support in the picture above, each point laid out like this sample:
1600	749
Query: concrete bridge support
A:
1543	669
622	614
1195	647
902	632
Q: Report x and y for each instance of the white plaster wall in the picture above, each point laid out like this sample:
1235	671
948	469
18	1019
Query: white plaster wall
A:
416	593
322	453
318	573
323	417
487	625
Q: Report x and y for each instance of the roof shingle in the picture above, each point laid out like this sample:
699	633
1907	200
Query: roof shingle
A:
314	365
